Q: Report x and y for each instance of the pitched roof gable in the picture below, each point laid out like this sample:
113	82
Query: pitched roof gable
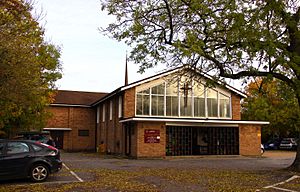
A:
163	74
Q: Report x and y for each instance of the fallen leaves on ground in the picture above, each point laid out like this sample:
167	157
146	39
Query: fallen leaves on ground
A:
156	180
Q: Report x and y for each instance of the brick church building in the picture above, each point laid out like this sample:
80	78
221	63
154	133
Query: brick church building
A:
180	112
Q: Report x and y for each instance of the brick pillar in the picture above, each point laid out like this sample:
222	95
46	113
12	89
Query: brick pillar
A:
236	107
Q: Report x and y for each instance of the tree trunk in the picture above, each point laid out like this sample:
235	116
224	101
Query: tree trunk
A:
296	164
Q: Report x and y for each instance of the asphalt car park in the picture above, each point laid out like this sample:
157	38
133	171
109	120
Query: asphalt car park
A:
82	169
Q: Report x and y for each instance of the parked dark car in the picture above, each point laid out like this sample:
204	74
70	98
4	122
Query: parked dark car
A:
35	136
28	159
272	144
288	143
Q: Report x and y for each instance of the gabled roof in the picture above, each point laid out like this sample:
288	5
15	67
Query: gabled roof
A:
76	98
163	74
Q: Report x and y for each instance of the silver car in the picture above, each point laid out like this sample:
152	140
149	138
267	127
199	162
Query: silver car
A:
288	143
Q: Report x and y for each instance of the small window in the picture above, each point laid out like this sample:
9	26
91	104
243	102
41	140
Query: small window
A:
36	148
83	133
17	147
98	114
103	113
110	110
120	106
1	148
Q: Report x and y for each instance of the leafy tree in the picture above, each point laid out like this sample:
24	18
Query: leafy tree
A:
233	38
29	67
271	100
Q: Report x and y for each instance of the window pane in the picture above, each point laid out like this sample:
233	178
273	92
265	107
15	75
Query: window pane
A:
199	100
159	89
157	107
146	104
142	104
224	106
199	107
198	90
147	91
212	103
172	105
185	106
212	107
17	147
139	106
36	148
172	89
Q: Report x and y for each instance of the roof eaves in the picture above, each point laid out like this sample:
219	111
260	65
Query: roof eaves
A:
106	97
68	105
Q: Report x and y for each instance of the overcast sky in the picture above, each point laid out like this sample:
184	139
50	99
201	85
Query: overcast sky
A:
90	60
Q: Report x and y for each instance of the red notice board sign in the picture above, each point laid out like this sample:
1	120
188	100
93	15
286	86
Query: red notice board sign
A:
151	136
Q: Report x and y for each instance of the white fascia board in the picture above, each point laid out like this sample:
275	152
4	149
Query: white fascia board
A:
57	129
178	120
68	105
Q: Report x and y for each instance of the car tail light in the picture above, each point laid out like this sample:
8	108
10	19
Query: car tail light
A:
53	152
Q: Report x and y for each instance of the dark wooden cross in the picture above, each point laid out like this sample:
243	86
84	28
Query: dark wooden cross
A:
186	89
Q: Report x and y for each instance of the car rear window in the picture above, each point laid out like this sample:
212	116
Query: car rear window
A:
36	147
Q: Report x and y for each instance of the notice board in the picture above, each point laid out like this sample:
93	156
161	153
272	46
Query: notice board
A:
152	136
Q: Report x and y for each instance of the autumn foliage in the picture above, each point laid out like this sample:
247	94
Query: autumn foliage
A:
29	67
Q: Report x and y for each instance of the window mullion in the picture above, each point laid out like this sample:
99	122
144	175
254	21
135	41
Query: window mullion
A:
218	103
178	95
205	102
165	100
150	100
192	98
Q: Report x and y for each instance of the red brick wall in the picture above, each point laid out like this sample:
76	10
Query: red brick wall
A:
111	131
76	118
129	104
236	107
151	149
250	139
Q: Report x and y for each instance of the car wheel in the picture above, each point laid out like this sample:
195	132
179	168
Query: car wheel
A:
39	173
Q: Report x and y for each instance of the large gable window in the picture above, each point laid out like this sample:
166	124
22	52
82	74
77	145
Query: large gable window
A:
142	104
182	99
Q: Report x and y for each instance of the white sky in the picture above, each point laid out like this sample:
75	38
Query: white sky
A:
90	60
